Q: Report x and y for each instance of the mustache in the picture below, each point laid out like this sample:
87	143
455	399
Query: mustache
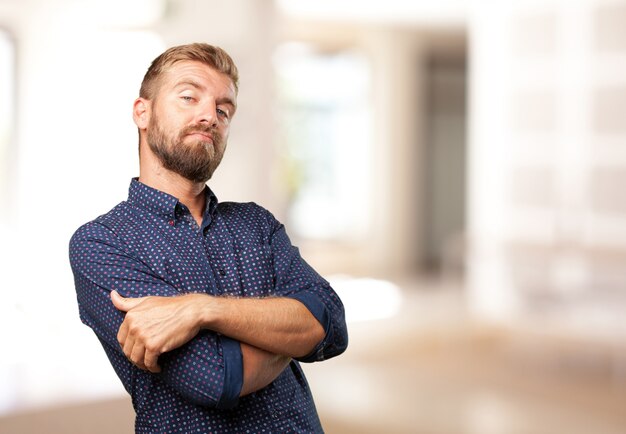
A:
202	128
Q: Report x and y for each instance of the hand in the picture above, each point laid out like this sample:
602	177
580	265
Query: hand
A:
155	325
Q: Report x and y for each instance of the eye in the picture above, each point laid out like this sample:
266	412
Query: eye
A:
222	113
187	98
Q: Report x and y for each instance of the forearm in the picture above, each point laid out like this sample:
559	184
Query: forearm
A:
260	368
277	325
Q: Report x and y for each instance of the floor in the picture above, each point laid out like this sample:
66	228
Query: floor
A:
428	369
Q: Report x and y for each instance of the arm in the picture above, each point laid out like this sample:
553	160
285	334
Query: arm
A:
260	368
157	325
100	264
304	320
279	325
302	317
296	279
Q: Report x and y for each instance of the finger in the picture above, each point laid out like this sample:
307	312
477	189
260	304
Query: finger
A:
151	361
137	355
128	346
124	304
122	333
118	301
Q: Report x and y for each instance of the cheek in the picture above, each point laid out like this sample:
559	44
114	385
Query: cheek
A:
171	127
224	130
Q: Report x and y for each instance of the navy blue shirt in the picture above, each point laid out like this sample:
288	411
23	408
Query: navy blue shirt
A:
151	245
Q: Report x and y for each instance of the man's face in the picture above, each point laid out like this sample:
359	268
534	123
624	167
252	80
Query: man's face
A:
190	119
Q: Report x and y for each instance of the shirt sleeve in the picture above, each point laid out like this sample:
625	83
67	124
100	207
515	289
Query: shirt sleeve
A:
208	370
298	280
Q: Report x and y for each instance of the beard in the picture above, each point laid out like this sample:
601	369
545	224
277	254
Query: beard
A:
195	161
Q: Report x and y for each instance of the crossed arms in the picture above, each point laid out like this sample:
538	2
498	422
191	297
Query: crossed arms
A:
209	349
271	331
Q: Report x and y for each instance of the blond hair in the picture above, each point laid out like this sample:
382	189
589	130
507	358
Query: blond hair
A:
210	55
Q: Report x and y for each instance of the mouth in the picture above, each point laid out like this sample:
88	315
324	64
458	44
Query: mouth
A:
201	135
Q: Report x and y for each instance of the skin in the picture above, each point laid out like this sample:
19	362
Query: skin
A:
271	330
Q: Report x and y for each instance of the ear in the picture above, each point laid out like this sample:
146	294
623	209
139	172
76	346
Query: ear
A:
141	113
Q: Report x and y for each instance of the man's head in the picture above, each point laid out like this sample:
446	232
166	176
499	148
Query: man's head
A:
186	102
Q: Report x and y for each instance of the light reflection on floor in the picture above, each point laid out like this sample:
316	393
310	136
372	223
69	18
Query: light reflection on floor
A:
367	299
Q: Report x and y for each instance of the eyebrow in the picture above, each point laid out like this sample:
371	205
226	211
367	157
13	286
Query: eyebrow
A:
199	86
191	83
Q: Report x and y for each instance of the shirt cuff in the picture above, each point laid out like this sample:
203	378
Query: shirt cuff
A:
320	312
233	373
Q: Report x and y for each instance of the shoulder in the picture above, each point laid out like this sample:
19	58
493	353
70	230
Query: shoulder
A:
249	212
102	228
248	217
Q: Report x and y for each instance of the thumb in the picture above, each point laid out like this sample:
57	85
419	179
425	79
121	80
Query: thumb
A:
122	303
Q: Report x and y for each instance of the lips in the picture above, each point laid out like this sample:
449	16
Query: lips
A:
202	134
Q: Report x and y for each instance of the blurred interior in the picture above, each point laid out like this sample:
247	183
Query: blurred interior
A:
452	167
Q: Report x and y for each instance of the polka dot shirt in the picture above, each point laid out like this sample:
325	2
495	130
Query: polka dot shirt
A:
151	245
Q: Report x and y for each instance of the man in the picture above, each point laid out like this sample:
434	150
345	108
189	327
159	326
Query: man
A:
203	308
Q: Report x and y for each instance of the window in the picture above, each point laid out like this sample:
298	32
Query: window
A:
324	139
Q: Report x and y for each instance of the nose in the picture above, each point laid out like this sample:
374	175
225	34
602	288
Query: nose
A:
207	114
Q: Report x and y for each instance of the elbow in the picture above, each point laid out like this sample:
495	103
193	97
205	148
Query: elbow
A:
343	340
337	337
334	343
340	341
333	336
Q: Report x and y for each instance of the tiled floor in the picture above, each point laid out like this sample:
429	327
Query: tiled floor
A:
427	370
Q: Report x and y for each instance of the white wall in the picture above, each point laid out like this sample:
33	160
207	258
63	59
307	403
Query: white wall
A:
79	66
547	162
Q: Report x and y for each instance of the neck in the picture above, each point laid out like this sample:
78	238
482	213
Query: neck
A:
189	193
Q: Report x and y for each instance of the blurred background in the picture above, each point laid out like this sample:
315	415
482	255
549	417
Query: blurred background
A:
454	168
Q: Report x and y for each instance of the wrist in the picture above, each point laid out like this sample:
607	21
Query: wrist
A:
209	309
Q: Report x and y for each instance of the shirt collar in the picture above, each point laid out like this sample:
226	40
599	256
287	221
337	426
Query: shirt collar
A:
162	203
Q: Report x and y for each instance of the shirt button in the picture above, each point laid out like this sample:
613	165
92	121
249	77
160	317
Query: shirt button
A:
222	272
275	415
171	222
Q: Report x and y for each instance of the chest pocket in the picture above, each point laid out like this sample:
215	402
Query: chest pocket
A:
255	265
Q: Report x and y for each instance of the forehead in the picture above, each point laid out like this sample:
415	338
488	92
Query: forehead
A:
200	74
